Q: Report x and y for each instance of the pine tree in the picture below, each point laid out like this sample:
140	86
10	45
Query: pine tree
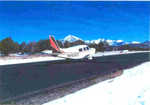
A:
7	46
22	47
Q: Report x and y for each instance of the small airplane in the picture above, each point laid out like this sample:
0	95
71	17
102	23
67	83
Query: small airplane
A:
74	52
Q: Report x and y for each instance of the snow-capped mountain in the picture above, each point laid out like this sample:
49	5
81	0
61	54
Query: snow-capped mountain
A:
95	41
135	42
118	43
147	43
71	38
110	42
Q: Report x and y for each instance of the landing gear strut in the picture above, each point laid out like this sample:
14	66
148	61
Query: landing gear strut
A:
90	57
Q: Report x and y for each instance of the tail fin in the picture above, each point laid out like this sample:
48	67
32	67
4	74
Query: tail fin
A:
54	44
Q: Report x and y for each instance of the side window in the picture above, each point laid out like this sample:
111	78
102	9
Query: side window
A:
80	49
84	48
87	48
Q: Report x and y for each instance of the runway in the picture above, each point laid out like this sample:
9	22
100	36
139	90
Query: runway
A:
19	79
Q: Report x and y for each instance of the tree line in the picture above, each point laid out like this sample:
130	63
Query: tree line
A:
8	46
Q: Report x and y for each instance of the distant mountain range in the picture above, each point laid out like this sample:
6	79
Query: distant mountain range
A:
72	38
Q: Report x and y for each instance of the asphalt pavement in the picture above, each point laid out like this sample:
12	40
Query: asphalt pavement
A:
19	79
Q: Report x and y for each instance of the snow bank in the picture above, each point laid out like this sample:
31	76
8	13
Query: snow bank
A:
107	53
131	88
27	60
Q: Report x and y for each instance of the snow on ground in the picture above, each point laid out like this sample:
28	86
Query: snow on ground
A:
27	60
107	53
131	88
18	60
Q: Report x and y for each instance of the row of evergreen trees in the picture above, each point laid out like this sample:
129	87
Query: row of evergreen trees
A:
8	46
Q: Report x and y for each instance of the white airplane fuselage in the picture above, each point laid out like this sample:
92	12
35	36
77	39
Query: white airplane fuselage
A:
77	52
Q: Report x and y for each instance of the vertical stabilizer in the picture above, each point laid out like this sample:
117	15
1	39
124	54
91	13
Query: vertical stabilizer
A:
54	44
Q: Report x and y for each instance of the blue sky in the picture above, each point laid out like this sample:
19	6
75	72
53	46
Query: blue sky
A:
32	21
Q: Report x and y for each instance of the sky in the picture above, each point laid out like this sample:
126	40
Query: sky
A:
32	21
